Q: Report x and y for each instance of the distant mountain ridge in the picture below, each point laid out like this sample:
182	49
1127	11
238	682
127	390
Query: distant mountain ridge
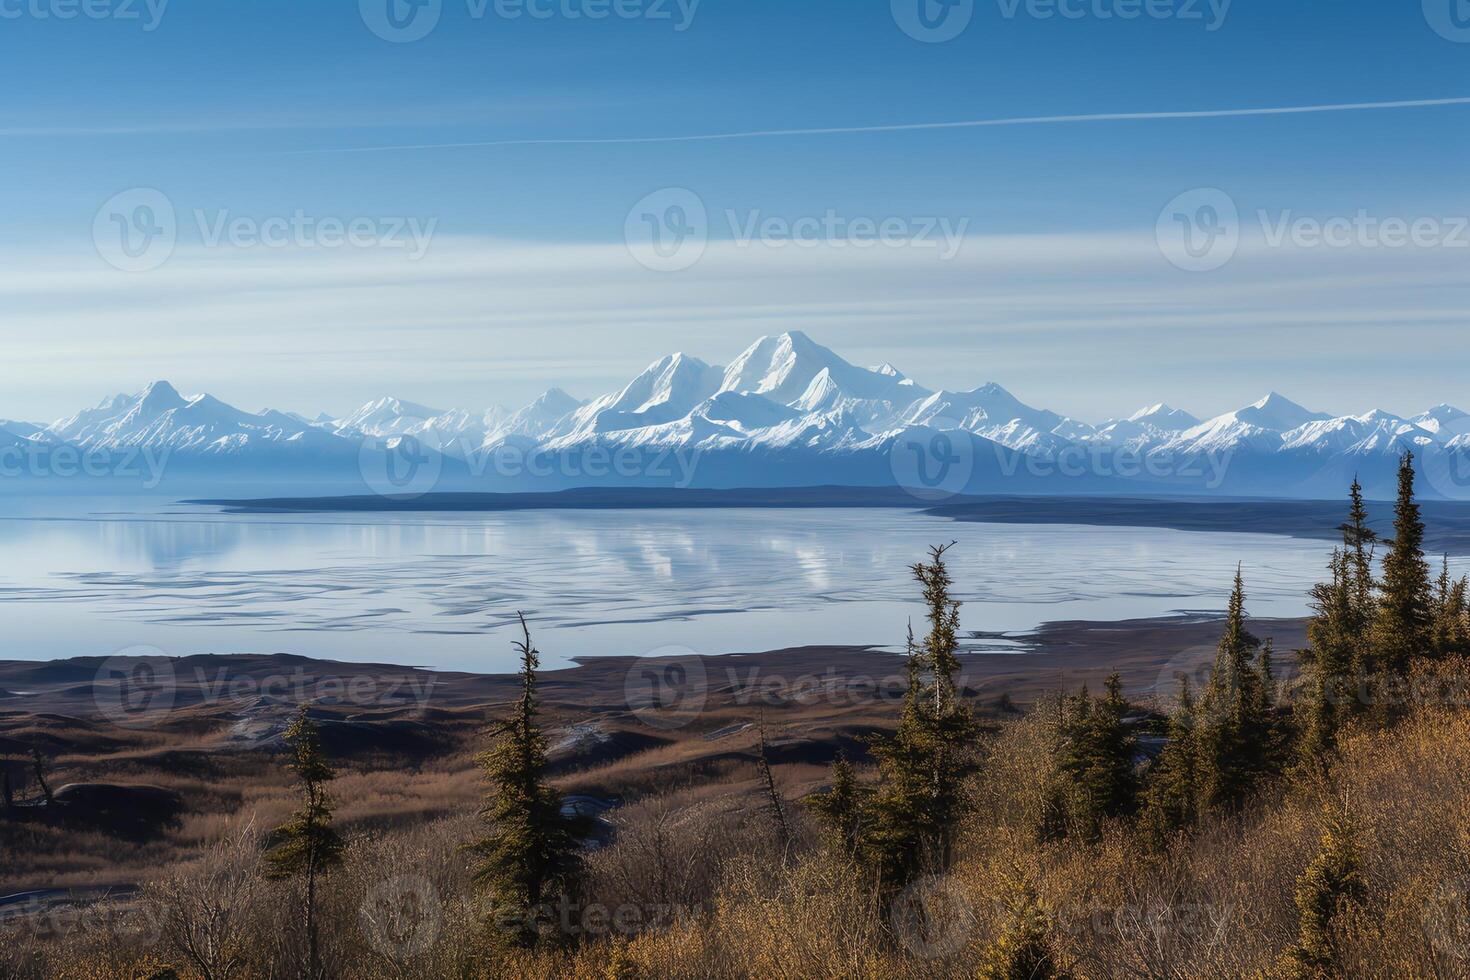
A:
786	412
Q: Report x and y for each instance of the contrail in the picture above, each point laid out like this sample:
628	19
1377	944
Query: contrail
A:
903	127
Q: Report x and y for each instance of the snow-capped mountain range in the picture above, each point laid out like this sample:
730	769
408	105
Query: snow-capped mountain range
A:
786	412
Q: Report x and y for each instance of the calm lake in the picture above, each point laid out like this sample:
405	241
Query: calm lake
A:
89	577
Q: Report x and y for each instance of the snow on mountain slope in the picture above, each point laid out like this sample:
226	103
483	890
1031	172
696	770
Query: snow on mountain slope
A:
787	411
666	391
1161	416
1444	422
992	412
1374	431
537	418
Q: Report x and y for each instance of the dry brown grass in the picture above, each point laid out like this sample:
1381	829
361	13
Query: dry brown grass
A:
708	893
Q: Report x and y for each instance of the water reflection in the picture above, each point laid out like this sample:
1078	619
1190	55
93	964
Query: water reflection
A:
428	588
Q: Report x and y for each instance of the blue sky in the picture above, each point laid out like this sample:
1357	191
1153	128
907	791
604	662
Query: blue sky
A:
241	110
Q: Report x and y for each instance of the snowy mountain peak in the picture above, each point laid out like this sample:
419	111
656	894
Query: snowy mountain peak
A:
1163	416
160	396
1278	413
782	367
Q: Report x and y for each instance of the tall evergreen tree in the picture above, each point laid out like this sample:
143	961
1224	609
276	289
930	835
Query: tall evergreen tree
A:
1358	542
1329	661
1331	884
1095	768
529	857
1401	629
1449	630
1236	732
308	844
1171	799
839	808
912	817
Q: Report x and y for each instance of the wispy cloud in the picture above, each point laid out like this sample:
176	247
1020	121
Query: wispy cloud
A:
1095	117
477	320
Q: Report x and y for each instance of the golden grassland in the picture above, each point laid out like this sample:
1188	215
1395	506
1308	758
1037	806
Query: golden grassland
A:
695	883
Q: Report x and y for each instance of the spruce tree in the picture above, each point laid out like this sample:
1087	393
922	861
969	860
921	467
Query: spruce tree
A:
1096	764
839	808
912	817
529	857
1448	633
1172	797
1358	541
308	844
1236	732
1401	629
1024	950
1328	661
1331	884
